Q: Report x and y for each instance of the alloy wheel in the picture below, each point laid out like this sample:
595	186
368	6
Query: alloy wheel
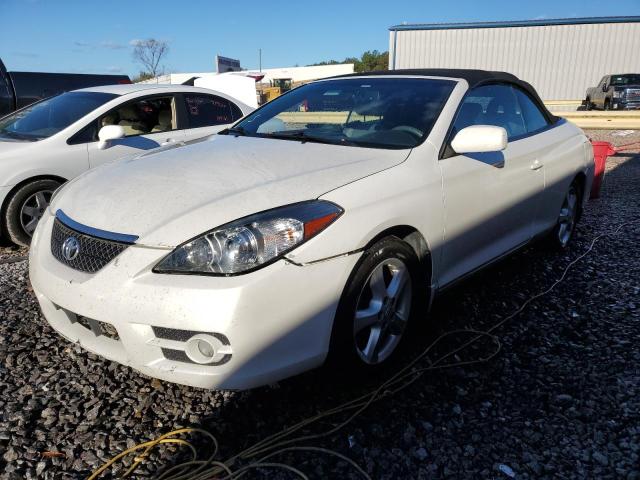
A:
32	210
567	218
382	311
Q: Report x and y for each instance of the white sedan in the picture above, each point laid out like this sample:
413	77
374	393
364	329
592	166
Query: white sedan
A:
47	143
313	230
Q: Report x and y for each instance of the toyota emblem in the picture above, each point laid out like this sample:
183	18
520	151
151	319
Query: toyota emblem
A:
70	248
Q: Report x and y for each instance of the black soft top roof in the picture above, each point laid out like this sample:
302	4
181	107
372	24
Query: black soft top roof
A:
474	78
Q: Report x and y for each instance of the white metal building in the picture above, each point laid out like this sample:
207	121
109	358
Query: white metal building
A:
560	57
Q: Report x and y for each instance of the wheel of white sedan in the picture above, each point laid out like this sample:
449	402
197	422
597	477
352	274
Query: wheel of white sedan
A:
26	207
377	305
568	217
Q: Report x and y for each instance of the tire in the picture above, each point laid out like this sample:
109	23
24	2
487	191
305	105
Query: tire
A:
570	211
588	105
607	104
353	346
25	208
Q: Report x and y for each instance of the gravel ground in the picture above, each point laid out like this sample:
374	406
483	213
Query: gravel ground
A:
560	400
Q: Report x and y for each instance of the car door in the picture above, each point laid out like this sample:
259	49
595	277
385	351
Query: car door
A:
207	114
489	198
149	122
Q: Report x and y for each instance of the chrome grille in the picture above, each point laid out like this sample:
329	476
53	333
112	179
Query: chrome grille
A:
94	253
633	93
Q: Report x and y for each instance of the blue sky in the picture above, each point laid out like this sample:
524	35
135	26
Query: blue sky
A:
95	36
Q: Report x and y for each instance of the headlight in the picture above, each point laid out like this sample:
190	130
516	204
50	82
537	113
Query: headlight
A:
618	93
251	242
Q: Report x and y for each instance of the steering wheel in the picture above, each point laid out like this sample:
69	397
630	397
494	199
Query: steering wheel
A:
411	130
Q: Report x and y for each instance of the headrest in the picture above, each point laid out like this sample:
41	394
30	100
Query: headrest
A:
501	105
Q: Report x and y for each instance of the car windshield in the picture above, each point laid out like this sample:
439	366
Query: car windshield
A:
365	112
625	79
48	117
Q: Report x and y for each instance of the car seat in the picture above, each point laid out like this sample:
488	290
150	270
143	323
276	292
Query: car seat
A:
502	112
130	121
164	122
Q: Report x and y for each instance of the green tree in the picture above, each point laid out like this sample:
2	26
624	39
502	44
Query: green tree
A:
371	60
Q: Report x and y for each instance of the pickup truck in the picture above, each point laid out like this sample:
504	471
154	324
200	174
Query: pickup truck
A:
615	92
19	89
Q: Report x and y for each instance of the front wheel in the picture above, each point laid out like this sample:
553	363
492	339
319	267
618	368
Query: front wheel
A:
563	233
25	208
588	105
377	306
607	104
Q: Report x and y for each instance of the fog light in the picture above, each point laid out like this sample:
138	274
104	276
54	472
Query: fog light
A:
201	348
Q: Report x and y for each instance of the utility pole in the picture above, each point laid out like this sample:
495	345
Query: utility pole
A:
260	58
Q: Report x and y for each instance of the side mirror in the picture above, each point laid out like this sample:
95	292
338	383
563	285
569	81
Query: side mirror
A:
109	133
480	138
605	87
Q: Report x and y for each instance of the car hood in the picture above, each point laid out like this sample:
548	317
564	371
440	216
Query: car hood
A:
168	197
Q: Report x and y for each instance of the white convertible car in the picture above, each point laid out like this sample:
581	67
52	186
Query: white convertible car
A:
47	143
313	230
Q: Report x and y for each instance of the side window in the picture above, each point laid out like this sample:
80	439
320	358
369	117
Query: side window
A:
144	116
534	119
491	105
86	135
207	110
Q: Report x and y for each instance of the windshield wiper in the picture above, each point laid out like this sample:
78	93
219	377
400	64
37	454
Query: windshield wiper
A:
305	137
237	131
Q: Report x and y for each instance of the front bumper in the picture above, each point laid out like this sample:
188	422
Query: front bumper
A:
275	322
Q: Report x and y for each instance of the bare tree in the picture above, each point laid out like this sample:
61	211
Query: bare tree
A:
150	53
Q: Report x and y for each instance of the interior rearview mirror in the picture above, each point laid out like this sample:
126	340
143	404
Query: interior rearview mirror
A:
108	133
480	138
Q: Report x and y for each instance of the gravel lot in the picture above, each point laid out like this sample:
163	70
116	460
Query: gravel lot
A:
560	400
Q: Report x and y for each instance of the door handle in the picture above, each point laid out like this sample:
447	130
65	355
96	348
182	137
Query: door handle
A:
536	165
167	142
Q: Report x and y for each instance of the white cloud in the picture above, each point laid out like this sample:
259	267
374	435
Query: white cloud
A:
112	45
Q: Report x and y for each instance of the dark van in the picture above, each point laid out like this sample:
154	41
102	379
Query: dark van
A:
19	89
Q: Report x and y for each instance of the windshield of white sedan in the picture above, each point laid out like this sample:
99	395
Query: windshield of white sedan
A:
46	118
366	112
